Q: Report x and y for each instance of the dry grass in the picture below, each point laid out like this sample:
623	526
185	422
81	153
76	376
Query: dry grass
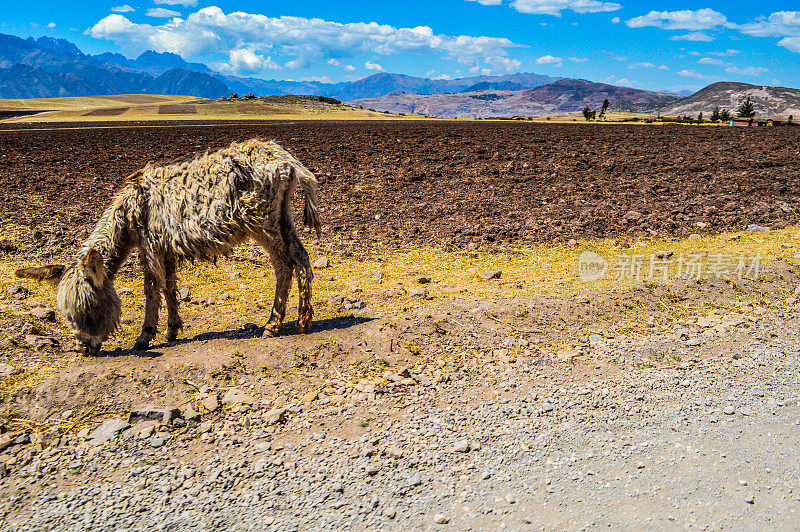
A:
157	108
528	272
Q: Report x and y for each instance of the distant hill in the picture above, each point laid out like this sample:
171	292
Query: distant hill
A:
47	67
384	83
61	69
562	96
768	101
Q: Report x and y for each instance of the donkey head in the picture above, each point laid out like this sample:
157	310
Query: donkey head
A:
86	297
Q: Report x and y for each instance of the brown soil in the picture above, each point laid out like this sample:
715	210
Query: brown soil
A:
445	183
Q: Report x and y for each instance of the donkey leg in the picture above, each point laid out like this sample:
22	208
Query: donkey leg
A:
152	293
302	268
282	264
174	321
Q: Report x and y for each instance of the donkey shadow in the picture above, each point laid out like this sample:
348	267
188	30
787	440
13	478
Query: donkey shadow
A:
247	332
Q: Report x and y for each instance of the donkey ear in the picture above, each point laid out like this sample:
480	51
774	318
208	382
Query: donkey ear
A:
93	267
51	273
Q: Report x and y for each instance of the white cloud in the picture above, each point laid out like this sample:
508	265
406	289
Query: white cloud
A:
748	71
626	81
690	74
616	20
160	12
488	2
299	40
790	43
663	67
555	7
122	9
778	24
504	64
245	61
578	59
695	36
51	25
369	65
549	60
712	61
642	64
702	19
185	3
443	77
333	62
349	68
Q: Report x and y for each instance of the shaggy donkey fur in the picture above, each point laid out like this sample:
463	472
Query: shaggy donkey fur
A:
196	209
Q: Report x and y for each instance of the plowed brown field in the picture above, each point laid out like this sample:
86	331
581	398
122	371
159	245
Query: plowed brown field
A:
446	183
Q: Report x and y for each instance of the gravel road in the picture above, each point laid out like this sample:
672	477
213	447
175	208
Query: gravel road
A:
678	435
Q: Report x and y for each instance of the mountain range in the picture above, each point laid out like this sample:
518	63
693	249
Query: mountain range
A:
768	101
563	96
48	67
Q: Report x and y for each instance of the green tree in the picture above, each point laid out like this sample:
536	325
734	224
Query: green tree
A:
700	117
606	105
791	117
747	109
725	115
715	114
587	113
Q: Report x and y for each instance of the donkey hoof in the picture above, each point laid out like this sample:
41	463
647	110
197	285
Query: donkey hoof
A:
270	331
141	345
303	328
172	335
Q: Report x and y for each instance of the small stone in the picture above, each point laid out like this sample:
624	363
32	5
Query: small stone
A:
153	413
210	403
595	338
441	519
322	262
378	277
156	442
108	430
190	414
510	498
422	279
729	410
44	313
491	274
6	370
124	291
664	255
750	499
18	292
693	342
547	407
472	246
461	447
233	276
756	227
394	451
310	397
419	291
234	396
274	416
185	294
224	296
263	446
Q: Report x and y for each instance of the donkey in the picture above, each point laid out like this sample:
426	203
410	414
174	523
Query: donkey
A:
196	209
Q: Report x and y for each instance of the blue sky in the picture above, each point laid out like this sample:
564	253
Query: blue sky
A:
652	45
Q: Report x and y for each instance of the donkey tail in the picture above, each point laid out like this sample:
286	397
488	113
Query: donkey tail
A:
309	185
